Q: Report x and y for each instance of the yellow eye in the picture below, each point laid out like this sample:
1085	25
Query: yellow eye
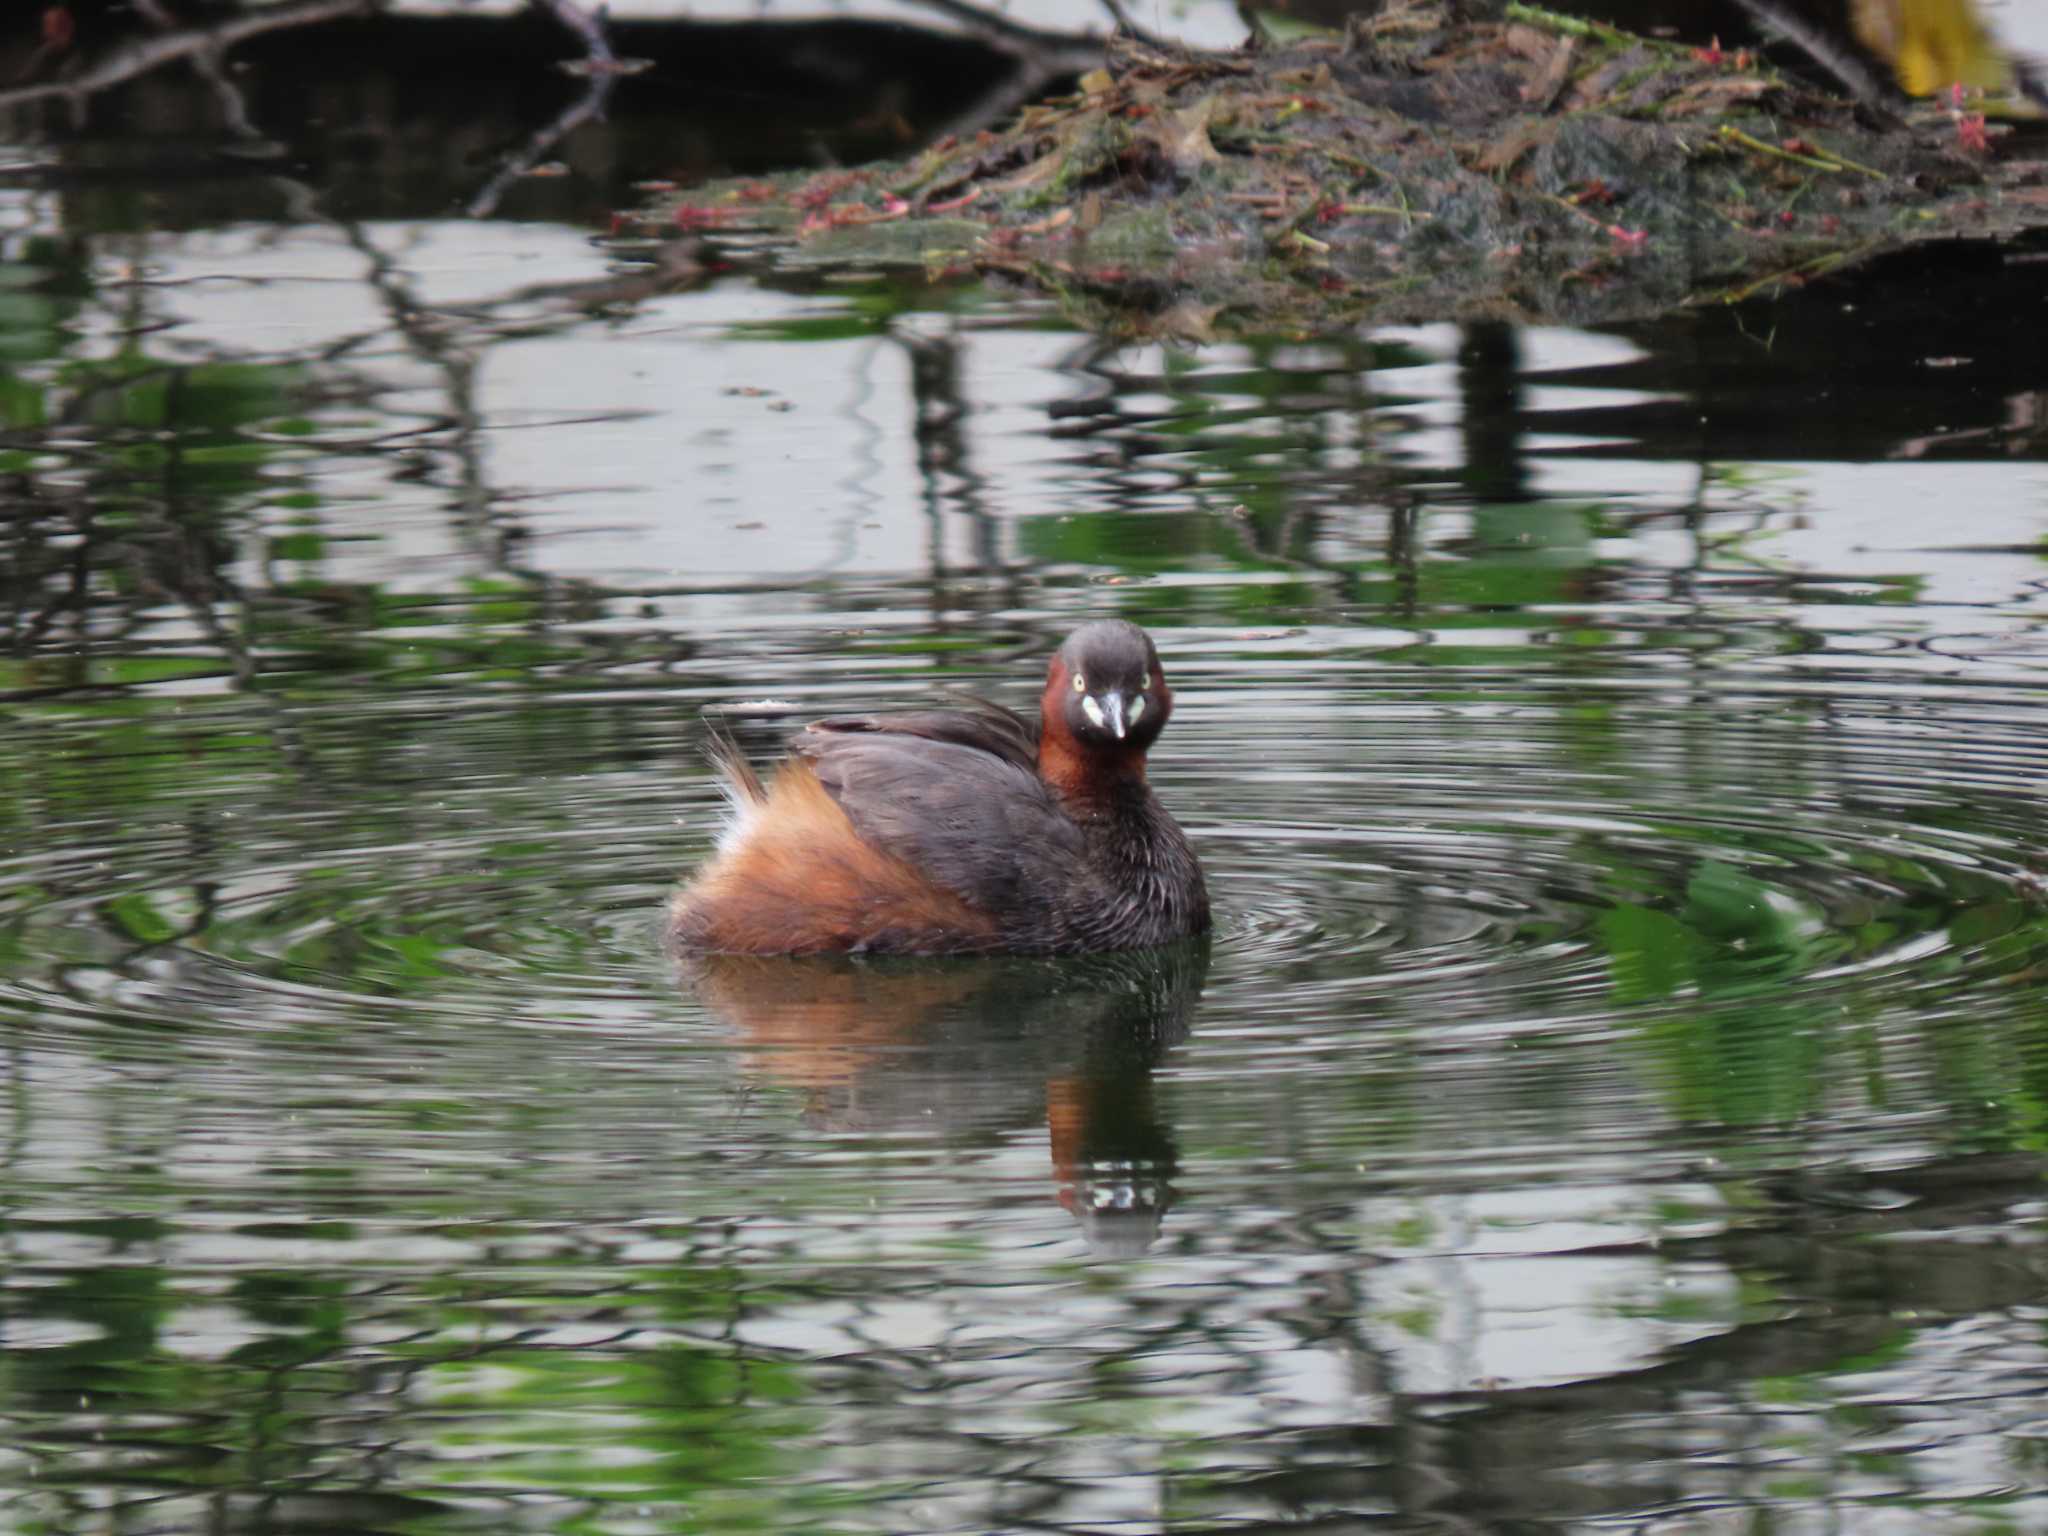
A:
1145	683
1080	683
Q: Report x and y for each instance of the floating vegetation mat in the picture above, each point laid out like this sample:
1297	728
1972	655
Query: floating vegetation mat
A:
1536	168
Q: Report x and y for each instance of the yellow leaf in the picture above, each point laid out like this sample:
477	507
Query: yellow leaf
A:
1932	44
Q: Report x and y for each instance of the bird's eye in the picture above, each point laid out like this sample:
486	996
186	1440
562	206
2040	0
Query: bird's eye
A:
1080	683
1145	683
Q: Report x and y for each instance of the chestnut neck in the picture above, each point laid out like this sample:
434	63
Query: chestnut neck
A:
1085	774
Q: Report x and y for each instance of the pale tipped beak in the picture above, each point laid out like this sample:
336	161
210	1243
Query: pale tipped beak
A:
1113	713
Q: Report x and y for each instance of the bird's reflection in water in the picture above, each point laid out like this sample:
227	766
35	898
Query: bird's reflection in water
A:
966	1050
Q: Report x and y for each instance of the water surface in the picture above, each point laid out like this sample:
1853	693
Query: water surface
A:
1614	1097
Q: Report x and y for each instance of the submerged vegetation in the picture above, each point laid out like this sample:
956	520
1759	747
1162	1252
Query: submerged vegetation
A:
1532	167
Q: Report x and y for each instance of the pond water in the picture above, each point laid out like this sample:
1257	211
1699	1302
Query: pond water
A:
1615	1097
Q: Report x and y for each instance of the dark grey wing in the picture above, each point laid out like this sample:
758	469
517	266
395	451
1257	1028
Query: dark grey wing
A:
975	822
983	726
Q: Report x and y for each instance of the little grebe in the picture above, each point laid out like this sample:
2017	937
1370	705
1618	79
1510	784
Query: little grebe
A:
961	831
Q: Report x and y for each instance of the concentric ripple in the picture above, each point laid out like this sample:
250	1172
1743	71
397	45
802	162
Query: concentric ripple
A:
401	878
377	989
1591	852
1459	846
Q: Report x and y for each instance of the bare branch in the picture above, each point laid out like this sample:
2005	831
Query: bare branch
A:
1877	94
590	105
599	65
1124	24
1042	58
138	58
1014	37
206	63
586	26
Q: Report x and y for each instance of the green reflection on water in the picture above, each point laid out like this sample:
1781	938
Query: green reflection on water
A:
355	1120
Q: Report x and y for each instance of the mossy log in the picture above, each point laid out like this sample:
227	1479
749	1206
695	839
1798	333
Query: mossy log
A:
1531	167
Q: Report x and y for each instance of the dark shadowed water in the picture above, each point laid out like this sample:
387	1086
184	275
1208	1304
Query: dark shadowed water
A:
1615	1097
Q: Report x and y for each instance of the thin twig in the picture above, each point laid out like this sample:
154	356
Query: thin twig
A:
1036	73
1012	35
1574	26
1878	95
1819	160
599	65
587	107
1806	270
586	26
206	64
150	53
1117	15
